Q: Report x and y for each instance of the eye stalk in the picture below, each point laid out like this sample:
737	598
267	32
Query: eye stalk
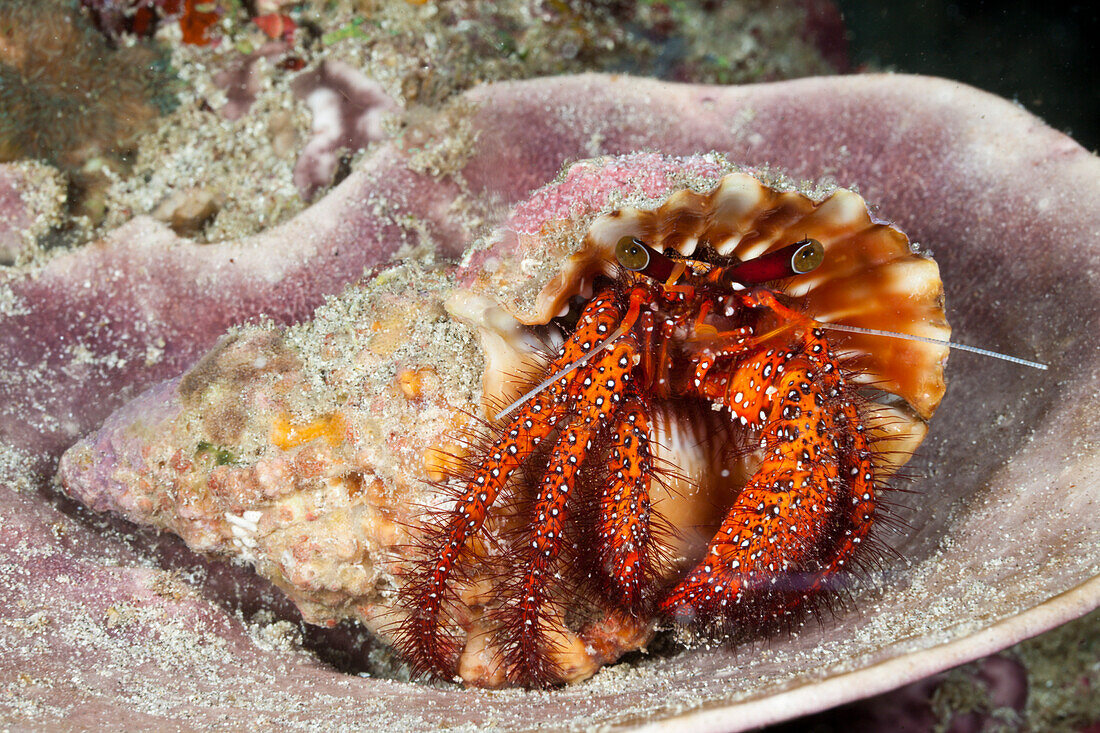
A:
634	254
808	257
794	259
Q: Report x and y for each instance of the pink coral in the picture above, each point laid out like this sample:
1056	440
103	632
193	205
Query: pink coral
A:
348	109
14	214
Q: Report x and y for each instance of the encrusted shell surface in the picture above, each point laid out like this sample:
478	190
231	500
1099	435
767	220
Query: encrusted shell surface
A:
303	451
310	453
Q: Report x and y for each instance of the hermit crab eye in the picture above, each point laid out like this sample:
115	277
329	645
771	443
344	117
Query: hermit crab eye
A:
808	257
637	256
794	259
632	253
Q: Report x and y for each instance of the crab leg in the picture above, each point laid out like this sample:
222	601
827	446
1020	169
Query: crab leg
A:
778	527
624	531
525	643
422	636
858	476
597	392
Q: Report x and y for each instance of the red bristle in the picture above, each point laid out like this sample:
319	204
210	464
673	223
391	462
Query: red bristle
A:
596	390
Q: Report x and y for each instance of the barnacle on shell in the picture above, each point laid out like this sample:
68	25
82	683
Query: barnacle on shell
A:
311	452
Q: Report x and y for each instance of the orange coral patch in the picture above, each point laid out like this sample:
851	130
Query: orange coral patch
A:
287	435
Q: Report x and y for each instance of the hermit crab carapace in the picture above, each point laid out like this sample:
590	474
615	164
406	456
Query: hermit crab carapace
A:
711	313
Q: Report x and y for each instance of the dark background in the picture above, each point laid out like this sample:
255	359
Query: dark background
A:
1040	54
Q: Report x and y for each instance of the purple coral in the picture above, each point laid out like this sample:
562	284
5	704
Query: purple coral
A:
348	109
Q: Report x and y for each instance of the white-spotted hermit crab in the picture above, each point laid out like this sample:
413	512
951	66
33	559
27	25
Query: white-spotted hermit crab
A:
706	329
692	399
761	305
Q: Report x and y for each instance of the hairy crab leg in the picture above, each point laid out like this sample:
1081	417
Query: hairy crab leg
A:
861	496
779	521
422	636
597	391
526	643
624	525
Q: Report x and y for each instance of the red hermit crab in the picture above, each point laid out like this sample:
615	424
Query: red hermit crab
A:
712	303
674	329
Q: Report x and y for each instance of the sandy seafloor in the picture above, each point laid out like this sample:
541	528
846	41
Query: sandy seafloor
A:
215	147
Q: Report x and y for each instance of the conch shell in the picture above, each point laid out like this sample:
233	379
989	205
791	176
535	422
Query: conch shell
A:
311	452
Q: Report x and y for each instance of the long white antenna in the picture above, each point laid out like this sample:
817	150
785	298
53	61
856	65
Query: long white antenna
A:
927	340
561	373
830	326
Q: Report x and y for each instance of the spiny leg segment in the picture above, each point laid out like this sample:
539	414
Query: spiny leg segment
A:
626	552
591	394
596	393
423	636
776	548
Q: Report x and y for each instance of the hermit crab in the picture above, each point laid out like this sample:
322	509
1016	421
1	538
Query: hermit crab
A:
666	391
714	311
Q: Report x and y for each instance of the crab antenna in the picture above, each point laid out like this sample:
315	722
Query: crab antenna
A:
928	340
